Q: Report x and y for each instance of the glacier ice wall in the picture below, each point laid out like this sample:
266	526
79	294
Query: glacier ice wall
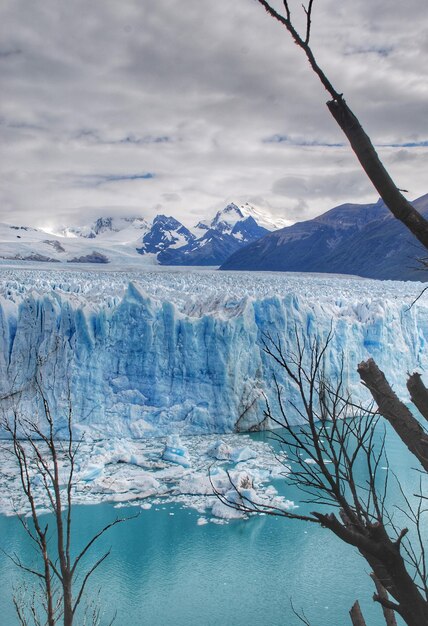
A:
158	352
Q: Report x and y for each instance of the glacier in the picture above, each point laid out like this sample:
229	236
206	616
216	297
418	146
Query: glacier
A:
158	352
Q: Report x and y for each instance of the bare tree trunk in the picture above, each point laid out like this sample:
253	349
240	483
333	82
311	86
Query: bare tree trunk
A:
418	393
392	409
68	602
383	556
50	613
388	614
356	615
363	148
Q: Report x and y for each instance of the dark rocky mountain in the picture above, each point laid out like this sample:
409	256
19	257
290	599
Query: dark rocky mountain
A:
365	240
229	230
165	232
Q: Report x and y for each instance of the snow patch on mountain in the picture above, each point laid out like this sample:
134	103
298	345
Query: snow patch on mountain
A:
226	219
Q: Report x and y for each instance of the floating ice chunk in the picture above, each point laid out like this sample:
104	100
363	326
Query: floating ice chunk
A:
219	450
201	521
91	472
242	454
280	471
310	461
130	458
238	492
36	480
171	473
289	504
126	487
175	452
197	484
145	485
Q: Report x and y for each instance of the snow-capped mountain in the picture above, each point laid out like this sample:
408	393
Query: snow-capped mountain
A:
226	219
165	232
134	239
105	225
229	230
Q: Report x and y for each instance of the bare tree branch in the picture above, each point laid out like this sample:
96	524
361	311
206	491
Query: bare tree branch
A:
398	415
356	615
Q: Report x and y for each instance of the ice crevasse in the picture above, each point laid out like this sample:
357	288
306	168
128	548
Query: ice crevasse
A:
153	353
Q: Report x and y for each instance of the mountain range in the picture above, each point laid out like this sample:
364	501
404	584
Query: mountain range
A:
124	240
361	239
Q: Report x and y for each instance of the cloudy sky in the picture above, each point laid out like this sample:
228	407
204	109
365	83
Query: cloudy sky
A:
137	107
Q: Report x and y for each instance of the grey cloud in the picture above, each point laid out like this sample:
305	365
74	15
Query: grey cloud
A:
369	50
95	180
171	197
93	137
300	141
213	98
401	156
341	185
7	53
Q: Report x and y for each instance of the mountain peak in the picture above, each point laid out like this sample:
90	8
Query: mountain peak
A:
232	208
166	221
226	219
166	232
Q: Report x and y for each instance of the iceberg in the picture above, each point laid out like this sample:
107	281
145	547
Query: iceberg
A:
219	451
241	454
175	452
151	353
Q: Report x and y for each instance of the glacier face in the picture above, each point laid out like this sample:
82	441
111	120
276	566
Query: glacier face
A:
159	352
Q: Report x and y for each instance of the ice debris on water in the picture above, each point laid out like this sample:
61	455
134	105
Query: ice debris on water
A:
222	452
159	471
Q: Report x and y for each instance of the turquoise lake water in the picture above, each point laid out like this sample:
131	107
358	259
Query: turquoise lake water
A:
166	570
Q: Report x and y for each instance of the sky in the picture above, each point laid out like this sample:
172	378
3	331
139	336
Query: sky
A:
179	107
